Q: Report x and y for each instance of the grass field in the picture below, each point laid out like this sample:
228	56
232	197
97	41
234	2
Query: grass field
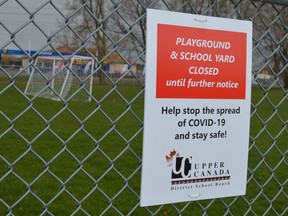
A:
58	155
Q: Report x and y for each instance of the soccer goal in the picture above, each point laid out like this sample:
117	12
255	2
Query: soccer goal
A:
55	78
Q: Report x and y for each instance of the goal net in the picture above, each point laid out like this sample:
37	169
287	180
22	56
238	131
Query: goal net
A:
54	78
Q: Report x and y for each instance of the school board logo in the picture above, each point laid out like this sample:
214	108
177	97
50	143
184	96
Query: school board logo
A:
181	167
186	171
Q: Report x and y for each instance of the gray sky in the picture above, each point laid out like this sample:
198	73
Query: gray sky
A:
13	17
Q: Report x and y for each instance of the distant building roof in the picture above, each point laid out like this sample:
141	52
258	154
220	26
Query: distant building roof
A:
112	58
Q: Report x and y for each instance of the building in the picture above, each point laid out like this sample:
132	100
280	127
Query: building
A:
113	65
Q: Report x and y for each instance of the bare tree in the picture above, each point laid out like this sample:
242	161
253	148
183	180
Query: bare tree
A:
270	30
87	27
279	44
129	27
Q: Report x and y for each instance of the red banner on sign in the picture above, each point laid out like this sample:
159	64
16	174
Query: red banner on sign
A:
200	63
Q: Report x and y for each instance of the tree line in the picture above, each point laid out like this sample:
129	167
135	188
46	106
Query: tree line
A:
119	26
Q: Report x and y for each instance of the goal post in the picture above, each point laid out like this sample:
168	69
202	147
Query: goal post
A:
56	78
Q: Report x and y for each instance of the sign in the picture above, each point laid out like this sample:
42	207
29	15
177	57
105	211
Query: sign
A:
197	107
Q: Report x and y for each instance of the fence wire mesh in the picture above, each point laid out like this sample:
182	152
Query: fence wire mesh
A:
67	157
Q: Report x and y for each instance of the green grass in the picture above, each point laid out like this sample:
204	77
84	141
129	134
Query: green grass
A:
83	152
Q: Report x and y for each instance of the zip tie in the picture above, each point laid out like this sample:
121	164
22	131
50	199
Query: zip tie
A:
201	20
193	196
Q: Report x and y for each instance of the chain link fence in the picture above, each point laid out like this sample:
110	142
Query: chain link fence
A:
73	157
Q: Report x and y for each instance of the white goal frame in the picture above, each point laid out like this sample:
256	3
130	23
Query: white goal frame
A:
62	78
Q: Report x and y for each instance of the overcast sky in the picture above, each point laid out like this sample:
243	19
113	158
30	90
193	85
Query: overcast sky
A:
13	17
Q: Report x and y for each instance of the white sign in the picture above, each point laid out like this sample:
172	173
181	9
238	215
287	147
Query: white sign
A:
197	107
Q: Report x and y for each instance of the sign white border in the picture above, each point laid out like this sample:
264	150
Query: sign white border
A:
159	129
